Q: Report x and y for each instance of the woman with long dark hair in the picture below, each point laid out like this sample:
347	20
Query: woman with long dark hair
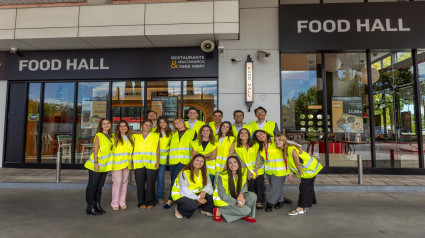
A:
99	164
226	145
165	133
251	158
206	146
145	162
231	195
193	189
121	163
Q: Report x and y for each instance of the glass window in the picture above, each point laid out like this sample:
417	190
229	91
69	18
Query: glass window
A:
92	105
201	95
33	123
58	114
128	103
346	81
164	97
396	138
421	70
302	100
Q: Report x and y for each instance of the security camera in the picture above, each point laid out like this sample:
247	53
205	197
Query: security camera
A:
262	54
236	59
220	49
207	46
13	50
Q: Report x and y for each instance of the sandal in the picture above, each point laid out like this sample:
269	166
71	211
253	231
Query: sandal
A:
216	217
296	213
177	214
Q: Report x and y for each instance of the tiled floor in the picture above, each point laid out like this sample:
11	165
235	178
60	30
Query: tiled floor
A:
11	175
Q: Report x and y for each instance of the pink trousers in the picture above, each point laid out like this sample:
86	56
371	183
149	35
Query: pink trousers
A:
119	187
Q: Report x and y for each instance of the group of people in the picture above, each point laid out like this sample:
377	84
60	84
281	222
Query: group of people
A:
217	166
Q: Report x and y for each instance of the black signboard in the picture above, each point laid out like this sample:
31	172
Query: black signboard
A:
167	105
347	26
105	64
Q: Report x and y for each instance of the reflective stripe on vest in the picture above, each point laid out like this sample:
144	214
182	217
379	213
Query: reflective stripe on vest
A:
268	127
145	149
225	182
310	166
223	152
208	150
104	154
180	150
195	187
249	158
275	164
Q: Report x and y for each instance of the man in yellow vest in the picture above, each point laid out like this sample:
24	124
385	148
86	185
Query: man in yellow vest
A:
262	124
215	125
193	122
239	116
153	117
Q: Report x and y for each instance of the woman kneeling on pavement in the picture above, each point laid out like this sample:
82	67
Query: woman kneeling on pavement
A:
305	167
231	194
192	188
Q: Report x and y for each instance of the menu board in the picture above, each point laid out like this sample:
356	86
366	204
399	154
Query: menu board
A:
347	114
165	106
91	113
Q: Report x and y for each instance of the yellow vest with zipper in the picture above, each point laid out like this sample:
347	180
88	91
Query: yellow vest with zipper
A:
104	154
196	187
223	152
181	150
144	154
268	127
249	157
164	148
274	164
310	166
122	154
225	181
208	150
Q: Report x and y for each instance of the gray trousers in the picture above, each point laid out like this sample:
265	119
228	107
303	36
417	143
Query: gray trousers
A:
276	188
233	212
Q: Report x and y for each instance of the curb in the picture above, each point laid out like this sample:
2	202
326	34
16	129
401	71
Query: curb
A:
288	188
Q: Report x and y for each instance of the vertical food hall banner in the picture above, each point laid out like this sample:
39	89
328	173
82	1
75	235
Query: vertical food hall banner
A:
188	62
348	26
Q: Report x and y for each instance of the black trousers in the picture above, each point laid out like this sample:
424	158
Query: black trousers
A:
186	206
145	181
94	186
307	196
258	187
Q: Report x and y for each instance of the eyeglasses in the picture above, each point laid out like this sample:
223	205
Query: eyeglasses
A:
261	112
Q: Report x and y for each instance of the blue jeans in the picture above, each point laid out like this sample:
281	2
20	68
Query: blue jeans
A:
174	171
160	181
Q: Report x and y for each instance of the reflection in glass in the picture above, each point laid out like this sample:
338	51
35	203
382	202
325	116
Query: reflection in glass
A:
201	95
58	113
128	103
92	105
164	97
33	123
301	96
396	137
421	71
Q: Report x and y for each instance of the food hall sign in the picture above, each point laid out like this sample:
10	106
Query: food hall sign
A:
347	26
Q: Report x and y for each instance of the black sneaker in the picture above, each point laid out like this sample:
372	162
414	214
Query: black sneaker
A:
287	200
278	205
269	207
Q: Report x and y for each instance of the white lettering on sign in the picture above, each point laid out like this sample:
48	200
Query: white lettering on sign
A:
342	25
56	64
249	82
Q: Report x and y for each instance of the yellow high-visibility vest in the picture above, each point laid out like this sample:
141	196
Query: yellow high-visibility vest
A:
274	164
196	127
196	187
225	181
164	148
208	150
310	166
104	154
268	127
122	155
246	126
181	150
223	152
249	157
212	125
144	154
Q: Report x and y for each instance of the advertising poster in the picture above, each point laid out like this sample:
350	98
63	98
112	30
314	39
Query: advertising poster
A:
347	114
33	117
91	113
165	106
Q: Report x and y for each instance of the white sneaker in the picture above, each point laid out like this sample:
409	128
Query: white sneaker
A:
296	213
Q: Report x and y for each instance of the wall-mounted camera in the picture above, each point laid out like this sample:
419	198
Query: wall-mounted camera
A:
236	59
207	46
220	48
13	50
261	54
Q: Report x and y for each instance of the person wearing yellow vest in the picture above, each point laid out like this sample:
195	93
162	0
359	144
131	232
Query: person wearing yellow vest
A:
145	162
121	163
164	131
252	160
231	197
215	125
153	116
305	167
226	145
180	151
262	124
99	164
206	146
193	122
275	167
192	189
239	116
